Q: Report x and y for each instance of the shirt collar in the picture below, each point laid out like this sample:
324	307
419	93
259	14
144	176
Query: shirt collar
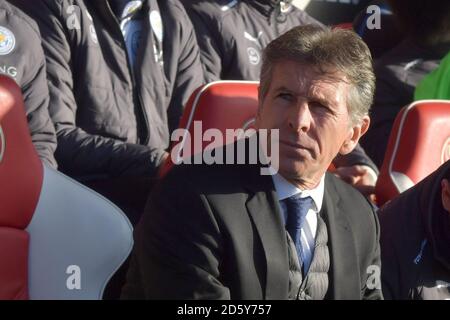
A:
285	189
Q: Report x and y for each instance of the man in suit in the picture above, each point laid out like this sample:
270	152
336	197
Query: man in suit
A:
228	232
232	35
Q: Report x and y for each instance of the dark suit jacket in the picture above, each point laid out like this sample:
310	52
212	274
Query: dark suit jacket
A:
215	232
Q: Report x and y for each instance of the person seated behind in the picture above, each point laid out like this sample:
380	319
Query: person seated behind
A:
22	59
435	85
415	240
426	26
335	12
120	73
233	233
377	26
232	36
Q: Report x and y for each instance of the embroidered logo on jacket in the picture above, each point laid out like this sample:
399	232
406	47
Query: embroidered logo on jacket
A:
254	55
7	41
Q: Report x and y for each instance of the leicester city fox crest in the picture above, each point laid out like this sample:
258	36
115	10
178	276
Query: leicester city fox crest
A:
7	41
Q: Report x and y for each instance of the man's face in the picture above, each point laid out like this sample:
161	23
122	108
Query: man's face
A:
310	111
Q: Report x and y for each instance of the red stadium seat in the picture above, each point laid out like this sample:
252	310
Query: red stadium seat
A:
218	105
19	193
344	25
58	239
419	143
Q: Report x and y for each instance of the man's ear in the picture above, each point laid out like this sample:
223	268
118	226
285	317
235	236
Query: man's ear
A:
355	133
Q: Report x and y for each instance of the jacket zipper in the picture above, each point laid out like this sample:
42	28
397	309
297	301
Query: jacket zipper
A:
135	91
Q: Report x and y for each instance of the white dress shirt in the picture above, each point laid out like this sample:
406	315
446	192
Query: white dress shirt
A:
284	190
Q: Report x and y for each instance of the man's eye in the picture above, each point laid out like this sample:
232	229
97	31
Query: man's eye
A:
318	105
286	96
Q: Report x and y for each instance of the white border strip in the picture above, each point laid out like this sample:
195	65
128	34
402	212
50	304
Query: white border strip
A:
399	134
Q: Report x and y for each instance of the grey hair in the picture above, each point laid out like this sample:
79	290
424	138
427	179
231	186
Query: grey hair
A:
326	49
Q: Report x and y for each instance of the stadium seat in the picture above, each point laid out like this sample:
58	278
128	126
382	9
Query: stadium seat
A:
344	26
58	239
419	143
218	105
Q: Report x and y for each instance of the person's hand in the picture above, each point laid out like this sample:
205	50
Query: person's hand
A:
361	177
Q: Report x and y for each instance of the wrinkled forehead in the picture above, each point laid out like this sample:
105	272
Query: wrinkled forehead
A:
307	79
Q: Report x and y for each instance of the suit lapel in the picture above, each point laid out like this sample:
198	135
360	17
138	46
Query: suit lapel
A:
265	214
344	277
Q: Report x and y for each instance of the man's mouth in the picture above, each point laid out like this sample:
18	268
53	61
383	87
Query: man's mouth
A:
294	145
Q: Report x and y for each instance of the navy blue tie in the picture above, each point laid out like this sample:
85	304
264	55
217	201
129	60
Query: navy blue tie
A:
295	216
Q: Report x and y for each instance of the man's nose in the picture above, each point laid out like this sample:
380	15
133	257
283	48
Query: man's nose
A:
300	117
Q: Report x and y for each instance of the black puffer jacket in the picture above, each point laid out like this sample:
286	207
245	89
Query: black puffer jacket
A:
232	34
110	120
415	242
22	58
